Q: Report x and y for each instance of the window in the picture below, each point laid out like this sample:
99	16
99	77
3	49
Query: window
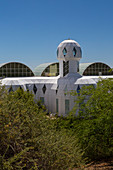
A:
34	89
64	52
74	51
57	105
78	90
65	68
42	100
51	70
97	69
67	106
15	70
57	89
44	89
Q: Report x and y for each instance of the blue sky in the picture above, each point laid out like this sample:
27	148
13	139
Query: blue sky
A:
30	30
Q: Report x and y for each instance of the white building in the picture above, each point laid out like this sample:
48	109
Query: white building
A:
54	91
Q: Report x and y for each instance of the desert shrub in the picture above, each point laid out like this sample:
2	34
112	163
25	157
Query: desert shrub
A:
29	139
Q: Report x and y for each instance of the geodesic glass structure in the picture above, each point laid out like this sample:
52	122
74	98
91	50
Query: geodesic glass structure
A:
15	69
97	69
86	69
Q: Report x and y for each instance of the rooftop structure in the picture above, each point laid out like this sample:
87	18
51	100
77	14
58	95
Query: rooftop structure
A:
86	69
47	69
54	91
15	69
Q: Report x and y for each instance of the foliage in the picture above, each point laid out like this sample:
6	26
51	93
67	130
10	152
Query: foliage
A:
94	123
29	139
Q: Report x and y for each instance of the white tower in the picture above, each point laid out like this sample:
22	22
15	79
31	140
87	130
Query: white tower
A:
68	53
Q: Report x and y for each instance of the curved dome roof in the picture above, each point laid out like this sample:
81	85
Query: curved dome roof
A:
15	69
69	50
68	42
47	69
84	69
40	68
97	68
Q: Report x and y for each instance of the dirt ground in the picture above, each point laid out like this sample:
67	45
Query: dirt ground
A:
100	165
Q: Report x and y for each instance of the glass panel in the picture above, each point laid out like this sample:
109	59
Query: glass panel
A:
64	51
42	100
65	68
16	70
34	89
66	106
74	51
57	89
95	68
8	65
78	90
44	89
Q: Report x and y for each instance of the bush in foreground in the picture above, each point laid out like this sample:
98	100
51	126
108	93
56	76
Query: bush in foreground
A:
94	123
29	139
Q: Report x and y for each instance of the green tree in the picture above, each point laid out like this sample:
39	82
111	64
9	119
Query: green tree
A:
94	126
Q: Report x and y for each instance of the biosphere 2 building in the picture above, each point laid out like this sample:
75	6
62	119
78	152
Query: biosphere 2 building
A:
54	91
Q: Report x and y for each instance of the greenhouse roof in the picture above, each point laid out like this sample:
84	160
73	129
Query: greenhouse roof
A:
39	69
83	66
